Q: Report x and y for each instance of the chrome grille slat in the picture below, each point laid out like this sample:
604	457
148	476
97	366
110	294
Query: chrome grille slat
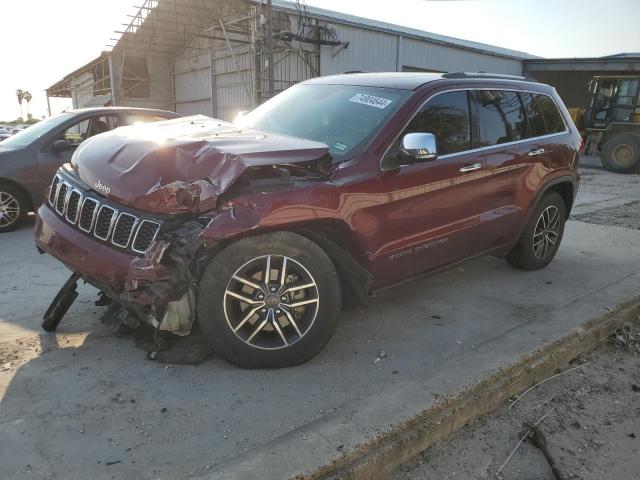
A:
53	193
146	234
72	210
89	209
64	189
94	217
104	222
124	227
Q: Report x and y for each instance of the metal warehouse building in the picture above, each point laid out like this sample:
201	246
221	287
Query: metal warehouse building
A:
219	57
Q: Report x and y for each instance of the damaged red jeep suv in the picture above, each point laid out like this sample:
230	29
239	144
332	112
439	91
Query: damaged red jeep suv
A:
263	229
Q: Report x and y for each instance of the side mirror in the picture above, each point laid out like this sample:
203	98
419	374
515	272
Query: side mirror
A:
419	147
61	146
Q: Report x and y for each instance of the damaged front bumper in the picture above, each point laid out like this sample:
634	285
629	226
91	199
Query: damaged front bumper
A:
157	287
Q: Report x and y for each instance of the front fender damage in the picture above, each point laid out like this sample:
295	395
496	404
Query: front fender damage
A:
160	287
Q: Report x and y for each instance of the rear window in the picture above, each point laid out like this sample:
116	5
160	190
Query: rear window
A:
552	117
501	117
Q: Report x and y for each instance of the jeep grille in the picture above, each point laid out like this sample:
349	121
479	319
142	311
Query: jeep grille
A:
103	221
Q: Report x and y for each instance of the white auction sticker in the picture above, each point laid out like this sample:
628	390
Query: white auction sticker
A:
377	102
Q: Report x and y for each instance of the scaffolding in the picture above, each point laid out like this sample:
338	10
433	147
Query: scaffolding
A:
254	50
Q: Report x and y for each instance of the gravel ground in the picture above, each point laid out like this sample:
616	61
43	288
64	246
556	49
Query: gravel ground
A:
627	216
592	431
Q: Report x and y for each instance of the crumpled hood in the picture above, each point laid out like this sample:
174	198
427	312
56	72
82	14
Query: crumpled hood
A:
181	165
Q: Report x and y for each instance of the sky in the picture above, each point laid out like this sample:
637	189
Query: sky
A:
43	40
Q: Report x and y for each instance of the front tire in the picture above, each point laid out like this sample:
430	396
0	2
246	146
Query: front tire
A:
13	207
541	237
269	301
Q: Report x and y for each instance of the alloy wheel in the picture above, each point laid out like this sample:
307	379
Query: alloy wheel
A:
9	209
547	232
271	302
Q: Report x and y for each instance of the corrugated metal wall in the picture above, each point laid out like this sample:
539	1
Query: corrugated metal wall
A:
374	51
416	53
368	51
192	85
233	84
82	90
208	79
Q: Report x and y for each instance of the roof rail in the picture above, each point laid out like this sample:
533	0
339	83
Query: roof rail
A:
348	72
497	76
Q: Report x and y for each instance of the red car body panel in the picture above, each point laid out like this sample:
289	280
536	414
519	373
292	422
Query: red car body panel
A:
393	224
182	166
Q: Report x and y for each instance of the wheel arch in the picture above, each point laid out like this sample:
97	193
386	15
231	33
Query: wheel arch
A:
334	236
566	189
565	186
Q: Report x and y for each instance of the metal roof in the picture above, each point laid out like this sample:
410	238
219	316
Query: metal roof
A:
623	62
188	17
62	88
338	17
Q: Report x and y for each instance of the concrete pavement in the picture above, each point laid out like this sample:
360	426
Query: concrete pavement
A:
75	402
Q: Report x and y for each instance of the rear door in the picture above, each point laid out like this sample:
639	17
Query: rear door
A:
514	160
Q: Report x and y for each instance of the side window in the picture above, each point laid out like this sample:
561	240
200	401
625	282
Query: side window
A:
625	99
551	115
627	92
76	133
536	120
501	117
102	123
603	99
447	117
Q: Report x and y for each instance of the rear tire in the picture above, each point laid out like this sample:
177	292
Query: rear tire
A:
259	320
621	153
541	237
13	207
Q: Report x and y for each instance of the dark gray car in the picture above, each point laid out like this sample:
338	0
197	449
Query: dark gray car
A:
29	159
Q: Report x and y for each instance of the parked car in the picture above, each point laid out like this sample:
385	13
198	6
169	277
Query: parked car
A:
333	190
4	136
29	158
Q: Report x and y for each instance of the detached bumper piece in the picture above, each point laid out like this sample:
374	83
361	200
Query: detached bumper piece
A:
61	303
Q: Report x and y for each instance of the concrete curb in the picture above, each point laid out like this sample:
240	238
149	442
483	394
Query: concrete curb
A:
382	452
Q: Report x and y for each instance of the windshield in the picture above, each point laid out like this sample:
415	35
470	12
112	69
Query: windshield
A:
344	117
35	131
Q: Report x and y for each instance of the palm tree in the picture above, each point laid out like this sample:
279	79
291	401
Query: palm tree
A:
20	95
27	96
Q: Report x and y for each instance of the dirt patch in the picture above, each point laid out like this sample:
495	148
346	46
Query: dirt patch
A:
592	427
14	353
627	216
